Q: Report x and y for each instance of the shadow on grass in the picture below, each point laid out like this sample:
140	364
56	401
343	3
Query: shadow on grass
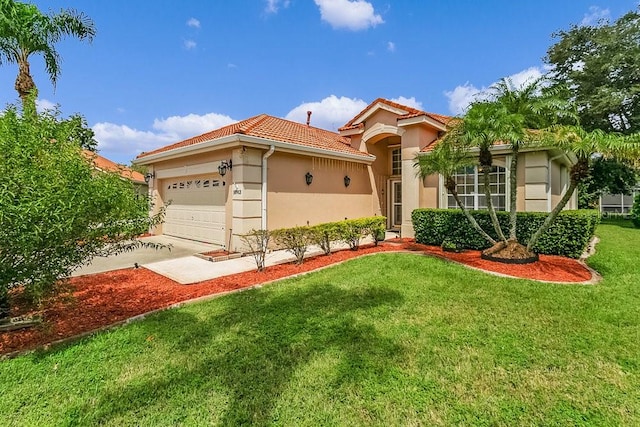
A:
247	347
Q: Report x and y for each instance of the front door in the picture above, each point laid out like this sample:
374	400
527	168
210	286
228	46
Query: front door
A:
396	204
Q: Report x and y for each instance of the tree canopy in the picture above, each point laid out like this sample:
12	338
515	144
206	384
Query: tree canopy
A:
599	69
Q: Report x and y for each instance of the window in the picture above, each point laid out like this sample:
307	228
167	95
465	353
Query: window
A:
470	187
396	162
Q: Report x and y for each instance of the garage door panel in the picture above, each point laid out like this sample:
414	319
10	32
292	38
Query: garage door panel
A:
197	209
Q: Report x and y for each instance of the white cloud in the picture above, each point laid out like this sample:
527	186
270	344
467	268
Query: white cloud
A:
192	124
391	46
190	44
45	104
350	14
595	16
193	22
525	76
330	113
274	5
122	143
462	96
231	65
409	102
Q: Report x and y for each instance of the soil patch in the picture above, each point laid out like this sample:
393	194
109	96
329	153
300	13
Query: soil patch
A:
99	300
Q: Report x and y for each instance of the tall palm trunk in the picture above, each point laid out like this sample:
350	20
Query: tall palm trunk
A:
451	187
25	86
24	82
513	194
579	172
486	163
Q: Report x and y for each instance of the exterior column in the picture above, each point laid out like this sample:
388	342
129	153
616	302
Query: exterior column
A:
245	194
410	182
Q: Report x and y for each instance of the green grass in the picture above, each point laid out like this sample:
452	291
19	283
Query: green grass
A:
390	339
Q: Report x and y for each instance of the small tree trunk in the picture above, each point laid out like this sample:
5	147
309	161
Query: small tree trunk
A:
579	172
486	170
513	189
552	216
4	304
471	219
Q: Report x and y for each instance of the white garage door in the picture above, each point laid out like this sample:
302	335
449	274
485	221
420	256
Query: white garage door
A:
197	209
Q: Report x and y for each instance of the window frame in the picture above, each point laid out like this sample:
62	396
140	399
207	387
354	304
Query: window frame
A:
477	192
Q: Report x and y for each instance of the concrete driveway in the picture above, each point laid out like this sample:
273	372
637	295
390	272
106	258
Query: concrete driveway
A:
179	248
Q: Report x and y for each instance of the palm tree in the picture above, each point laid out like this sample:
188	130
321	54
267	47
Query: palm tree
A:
25	31
519	113
478	129
586	146
448	157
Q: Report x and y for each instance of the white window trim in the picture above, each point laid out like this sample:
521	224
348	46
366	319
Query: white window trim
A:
444	194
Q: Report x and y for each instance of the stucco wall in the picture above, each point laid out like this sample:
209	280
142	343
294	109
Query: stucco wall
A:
430	192
291	202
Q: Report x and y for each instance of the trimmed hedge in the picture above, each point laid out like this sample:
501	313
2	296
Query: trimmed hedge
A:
635	211
351	231
568	236
297	239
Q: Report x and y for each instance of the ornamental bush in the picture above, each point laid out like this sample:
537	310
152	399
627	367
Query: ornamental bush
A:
635	211
324	234
351	231
295	240
257	241
568	236
56	211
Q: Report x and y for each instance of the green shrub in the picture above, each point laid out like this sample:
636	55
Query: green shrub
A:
323	234
568	236
56	211
635	211
295	240
257	241
375	227
351	231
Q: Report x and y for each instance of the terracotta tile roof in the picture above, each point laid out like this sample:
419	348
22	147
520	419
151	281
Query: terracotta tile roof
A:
276	129
410	112
102	163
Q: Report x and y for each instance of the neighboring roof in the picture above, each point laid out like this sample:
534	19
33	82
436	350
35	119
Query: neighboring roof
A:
406	113
275	129
104	164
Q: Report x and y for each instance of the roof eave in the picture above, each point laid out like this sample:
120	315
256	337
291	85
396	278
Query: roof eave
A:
237	139
422	120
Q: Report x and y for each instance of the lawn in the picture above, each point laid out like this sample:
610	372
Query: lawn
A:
389	339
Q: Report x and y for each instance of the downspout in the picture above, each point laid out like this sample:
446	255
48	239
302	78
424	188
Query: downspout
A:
265	156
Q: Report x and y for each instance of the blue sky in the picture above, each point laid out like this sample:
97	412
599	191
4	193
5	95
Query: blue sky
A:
161	71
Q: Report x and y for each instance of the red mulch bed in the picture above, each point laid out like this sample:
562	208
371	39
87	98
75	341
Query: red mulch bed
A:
550	268
102	299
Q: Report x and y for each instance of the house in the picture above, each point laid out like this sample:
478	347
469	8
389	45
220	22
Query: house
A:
266	172
101	163
618	203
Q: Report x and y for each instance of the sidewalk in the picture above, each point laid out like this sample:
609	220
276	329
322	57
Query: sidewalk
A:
192	269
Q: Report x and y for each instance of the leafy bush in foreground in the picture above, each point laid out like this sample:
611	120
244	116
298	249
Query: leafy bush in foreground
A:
56	211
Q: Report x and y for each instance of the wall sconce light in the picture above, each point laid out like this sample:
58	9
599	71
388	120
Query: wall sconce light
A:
308	178
148	176
224	165
347	180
